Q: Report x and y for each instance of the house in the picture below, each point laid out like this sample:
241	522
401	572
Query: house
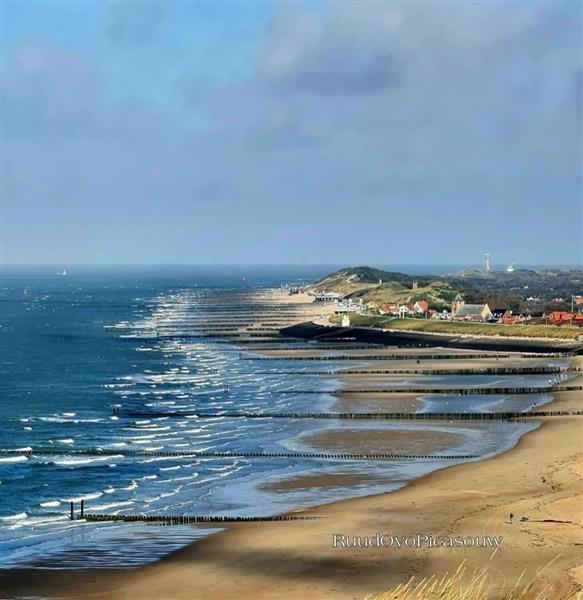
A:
406	310
389	309
473	312
443	315
421	307
558	317
342	307
498	313
325	296
509	318
561	317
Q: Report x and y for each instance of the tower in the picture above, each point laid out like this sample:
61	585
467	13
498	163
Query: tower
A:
487	261
457	303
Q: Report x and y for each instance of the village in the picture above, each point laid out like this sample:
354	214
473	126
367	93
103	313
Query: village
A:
459	311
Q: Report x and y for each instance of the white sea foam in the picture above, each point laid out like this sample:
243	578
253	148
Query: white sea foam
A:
16	517
50	504
112	505
12	459
90	496
133	485
80	461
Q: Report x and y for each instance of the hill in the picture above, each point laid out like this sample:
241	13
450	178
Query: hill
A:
521	290
375	285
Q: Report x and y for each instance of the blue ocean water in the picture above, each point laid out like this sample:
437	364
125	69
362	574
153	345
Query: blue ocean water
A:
71	347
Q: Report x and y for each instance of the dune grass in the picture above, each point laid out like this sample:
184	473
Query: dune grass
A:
565	332
474	586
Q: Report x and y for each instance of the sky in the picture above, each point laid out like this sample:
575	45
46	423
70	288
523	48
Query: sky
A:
291	132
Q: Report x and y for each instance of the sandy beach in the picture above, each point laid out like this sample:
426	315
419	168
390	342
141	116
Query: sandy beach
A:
539	481
263	560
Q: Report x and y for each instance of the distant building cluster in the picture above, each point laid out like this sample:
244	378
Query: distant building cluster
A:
461	310
342	307
294	289
420	308
477	313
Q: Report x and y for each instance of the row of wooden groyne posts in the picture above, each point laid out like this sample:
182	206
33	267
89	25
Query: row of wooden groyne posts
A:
458	391
235	454
404	416
404	356
178	519
541	370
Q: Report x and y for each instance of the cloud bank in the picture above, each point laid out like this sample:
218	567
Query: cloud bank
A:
387	133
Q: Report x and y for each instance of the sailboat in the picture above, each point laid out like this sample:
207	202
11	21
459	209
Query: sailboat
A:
63	274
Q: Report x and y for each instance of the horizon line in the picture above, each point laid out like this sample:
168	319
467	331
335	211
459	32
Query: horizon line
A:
283	264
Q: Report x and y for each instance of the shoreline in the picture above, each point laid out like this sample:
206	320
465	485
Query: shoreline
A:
255	560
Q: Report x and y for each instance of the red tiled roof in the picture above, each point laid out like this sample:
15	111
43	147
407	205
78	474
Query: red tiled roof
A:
562	317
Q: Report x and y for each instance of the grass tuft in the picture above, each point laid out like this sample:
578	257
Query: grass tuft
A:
477	585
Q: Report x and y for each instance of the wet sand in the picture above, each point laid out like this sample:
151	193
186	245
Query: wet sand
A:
337	480
393	441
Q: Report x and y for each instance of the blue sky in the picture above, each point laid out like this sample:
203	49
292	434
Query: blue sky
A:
322	133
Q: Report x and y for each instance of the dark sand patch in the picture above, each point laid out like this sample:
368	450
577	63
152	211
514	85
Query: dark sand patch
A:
304	482
422	441
379	403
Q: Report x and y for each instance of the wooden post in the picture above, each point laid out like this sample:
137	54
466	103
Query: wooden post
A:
82	508
72	512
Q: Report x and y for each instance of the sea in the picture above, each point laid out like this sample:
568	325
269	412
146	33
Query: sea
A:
72	346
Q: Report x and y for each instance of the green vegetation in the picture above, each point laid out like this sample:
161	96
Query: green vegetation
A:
373	285
564	332
523	290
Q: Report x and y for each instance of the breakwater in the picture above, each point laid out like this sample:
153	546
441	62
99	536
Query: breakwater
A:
429	416
234	454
